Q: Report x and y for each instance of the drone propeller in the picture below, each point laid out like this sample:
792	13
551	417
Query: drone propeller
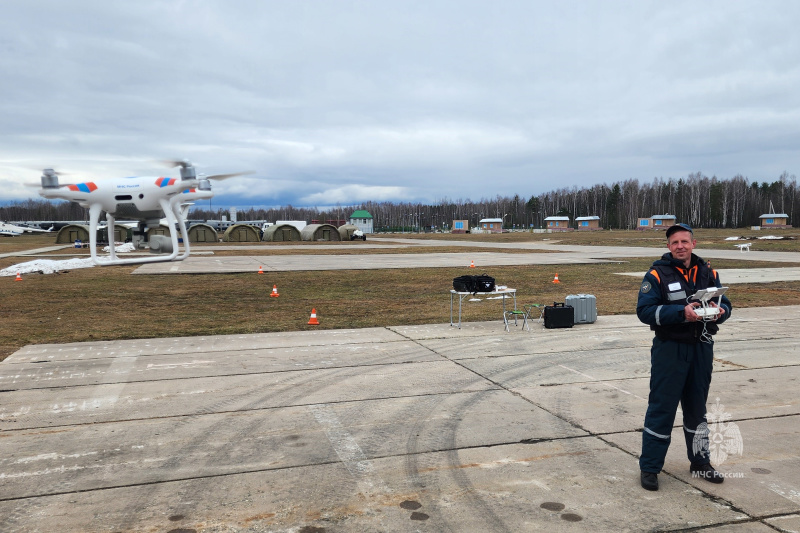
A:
172	163
51	172
187	170
221	177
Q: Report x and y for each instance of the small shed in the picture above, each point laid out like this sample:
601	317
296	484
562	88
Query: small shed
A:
71	233
774	220
320	232
460	226
242	233
657	222
588	223
281	232
558	223
346	232
492	225
202	233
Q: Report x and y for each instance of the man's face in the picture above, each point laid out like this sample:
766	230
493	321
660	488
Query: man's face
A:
681	244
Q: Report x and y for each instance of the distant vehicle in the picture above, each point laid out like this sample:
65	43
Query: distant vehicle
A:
358	235
12	230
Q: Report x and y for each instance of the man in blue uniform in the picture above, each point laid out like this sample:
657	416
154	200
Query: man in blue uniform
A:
682	355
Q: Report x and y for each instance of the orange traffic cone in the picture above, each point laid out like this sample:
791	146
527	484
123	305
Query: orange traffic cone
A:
19	278
313	321
556	279
260	270
472	264
274	292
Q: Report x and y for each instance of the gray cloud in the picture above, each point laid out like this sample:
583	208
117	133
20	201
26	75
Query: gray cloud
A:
399	100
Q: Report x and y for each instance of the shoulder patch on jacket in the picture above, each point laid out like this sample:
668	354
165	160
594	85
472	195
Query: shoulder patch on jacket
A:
646	286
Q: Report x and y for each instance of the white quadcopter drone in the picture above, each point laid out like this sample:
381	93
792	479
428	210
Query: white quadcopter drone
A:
144	199
704	296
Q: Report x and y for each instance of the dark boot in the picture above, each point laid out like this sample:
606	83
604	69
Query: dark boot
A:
707	472
649	481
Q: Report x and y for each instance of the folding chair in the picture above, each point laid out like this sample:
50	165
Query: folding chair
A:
529	310
516	314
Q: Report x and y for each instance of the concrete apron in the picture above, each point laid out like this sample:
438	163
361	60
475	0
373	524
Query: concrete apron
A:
424	428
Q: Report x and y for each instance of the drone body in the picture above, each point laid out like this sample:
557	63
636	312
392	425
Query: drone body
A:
145	199
135	197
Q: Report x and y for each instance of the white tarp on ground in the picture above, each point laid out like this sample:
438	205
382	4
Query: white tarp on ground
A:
765	237
46	266
126	247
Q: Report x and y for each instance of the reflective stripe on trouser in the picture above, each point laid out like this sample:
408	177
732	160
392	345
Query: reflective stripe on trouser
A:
679	373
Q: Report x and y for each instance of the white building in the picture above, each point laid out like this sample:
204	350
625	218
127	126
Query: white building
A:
362	220
299	224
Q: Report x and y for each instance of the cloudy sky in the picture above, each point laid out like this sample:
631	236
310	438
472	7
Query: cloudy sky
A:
345	101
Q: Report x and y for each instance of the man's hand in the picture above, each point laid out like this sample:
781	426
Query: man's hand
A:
688	312
690	316
721	311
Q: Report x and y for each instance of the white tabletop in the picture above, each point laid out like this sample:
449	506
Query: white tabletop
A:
501	291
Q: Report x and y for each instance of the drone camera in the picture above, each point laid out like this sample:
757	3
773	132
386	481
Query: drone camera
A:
160	244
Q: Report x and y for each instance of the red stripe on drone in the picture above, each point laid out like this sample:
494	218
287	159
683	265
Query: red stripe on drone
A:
165	182
83	187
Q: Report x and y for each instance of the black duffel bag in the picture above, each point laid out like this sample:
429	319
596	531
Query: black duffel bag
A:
473	284
465	284
484	283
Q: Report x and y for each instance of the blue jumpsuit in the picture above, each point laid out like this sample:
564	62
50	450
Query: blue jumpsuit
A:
681	358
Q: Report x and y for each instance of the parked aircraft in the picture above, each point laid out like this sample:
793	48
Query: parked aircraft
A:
12	230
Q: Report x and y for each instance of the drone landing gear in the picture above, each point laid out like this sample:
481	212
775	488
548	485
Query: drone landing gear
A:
165	245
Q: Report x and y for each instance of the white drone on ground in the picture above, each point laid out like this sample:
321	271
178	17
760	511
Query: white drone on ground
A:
144	199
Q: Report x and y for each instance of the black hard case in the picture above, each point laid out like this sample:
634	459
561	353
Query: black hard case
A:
558	315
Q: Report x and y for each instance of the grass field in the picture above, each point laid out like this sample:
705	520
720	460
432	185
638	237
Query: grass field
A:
108	303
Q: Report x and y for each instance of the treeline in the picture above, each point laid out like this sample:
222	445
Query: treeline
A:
697	200
40	209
